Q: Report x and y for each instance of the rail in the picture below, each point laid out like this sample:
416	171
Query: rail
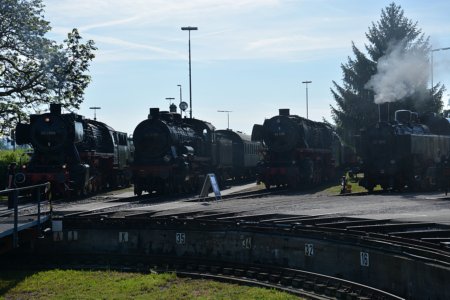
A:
13	203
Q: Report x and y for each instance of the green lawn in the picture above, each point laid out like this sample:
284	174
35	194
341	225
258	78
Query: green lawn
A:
59	284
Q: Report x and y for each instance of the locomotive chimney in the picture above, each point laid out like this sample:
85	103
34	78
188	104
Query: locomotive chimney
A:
55	108
173	108
383	112
284	112
154	113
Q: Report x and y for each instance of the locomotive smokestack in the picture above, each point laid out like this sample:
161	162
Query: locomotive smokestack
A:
173	108
383	112
284	112
154	113
55	108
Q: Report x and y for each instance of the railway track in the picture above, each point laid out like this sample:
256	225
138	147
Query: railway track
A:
214	232
301	283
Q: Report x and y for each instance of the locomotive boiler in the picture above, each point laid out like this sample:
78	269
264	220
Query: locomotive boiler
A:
405	153
299	151
76	155
174	154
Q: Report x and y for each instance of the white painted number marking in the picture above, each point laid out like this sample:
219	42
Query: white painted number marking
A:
180	238
58	236
123	237
247	243
309	249
72	235
364	256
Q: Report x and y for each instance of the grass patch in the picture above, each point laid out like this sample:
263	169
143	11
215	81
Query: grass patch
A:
355	187
70	284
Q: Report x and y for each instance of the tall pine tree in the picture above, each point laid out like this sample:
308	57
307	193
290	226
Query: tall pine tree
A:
355	98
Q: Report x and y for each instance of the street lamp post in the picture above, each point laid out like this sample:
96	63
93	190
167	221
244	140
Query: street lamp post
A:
95	111
181	100
306	83
435	50
170	99
189	28
228	116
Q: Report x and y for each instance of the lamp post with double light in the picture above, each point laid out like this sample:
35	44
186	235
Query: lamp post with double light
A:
228	116
170	99
95	111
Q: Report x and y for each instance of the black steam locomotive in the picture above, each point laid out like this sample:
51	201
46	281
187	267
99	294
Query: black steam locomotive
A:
409	152
299	151
174	154
76	155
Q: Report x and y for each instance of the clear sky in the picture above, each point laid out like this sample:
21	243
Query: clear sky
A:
248	56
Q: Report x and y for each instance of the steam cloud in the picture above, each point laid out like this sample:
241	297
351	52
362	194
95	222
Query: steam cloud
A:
399	74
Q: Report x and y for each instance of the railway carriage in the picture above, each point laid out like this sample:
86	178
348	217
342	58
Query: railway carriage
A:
245	154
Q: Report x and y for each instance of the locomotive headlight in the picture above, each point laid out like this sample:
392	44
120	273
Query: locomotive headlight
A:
47	120
392	161
166	158
24	167
64	166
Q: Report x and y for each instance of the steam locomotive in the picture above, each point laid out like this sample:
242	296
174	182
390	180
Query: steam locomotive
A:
409	152
299	151
174	154
76	155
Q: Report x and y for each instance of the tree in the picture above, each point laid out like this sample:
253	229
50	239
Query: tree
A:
393	71
35	70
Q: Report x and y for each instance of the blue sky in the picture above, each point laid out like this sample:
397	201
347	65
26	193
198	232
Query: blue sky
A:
248	56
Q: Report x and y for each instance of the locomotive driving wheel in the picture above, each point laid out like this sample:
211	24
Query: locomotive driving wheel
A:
137	190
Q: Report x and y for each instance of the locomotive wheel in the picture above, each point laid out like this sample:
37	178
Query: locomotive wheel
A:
294	183
85	191
137	190
161	188
94	187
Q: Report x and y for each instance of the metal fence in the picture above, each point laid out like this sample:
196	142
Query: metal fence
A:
36	192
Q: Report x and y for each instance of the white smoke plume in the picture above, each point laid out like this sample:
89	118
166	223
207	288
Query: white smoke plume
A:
399	74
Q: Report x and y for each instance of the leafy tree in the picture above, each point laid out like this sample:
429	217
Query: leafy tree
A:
392	40
35	70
